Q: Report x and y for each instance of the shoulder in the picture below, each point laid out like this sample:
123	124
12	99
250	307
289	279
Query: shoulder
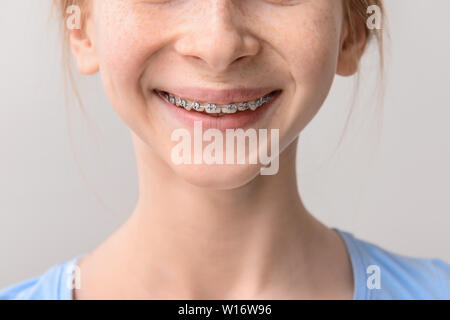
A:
54	284
382	274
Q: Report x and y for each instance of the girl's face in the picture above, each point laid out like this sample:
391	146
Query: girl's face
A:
143	46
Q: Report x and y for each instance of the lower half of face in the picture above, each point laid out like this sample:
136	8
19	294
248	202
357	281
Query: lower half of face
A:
177	73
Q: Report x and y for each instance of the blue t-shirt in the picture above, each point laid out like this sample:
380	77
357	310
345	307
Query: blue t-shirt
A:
377	274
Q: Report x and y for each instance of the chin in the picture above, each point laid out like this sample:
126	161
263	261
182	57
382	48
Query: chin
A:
217	176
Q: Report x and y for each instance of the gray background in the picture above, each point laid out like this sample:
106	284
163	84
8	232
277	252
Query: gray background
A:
396	196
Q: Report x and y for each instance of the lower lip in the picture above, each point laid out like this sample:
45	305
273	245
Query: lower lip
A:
239	119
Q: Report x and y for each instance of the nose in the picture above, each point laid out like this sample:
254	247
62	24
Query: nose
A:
217	36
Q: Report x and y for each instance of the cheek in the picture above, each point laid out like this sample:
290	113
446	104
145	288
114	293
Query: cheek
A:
126	42
313	50
311	54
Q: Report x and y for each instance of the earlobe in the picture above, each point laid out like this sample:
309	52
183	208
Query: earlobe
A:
352	45
84	52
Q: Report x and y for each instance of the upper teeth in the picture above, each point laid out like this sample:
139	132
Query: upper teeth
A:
212	108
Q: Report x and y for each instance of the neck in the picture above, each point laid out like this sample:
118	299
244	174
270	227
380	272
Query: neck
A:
216	243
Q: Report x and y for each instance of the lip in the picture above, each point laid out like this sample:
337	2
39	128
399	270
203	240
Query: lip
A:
219	97
240	119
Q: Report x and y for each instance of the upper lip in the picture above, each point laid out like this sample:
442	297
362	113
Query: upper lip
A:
219	97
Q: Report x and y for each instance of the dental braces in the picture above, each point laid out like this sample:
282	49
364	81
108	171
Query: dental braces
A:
216	109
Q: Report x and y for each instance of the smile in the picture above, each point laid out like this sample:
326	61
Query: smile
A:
215	109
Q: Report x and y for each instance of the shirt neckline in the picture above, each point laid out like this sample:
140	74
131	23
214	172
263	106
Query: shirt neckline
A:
359	285
357	262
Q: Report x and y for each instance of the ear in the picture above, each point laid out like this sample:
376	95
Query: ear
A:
84	50
352	47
